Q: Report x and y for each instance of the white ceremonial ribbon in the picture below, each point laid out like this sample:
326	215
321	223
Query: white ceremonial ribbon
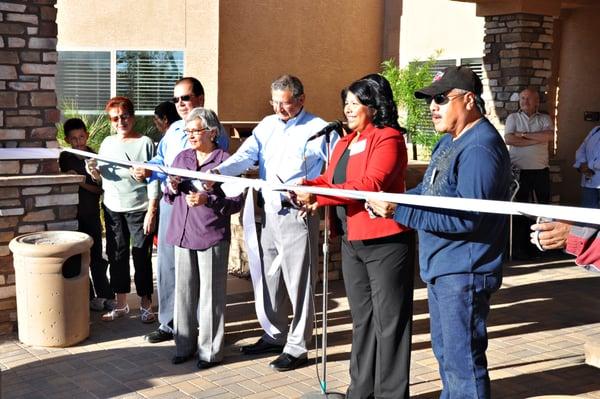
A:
556	212
255	264
29	153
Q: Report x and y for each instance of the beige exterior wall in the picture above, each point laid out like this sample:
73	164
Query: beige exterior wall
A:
237	47
428	25
122	24
579	90
262	39
201	57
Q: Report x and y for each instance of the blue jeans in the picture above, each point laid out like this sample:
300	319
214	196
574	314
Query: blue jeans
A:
458	308
590	197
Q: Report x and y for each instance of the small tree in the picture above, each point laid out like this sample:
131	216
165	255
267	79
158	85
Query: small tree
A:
405	81
98	126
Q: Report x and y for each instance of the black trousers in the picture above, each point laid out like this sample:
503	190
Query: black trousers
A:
378	276
90	224
534	185
123	228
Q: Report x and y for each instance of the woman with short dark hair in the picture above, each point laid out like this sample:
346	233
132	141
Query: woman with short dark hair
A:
165	114
377	253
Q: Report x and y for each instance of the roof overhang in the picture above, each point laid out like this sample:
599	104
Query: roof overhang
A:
543	7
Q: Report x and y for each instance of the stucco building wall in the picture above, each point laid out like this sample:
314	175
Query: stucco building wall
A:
237	47
578	91
318	41
123	24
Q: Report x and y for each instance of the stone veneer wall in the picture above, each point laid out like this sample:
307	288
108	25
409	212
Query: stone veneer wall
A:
518	54
30	204
27	82
33	197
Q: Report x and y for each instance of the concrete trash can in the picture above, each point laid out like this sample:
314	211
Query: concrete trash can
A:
52	284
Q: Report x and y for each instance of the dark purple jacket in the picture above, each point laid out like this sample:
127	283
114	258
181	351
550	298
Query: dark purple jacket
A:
203	226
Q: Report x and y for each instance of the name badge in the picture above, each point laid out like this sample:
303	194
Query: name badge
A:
358	147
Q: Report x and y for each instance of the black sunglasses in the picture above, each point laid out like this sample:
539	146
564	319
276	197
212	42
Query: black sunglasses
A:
441	99
187	97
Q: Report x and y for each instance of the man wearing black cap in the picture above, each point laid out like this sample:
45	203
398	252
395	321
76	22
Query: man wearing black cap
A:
460	252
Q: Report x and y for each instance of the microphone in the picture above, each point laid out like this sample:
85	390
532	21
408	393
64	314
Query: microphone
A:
335	125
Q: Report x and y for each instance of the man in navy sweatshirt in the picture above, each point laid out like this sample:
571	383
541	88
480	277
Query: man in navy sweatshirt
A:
460	252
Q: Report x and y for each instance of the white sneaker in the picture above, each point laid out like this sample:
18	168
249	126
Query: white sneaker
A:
97	304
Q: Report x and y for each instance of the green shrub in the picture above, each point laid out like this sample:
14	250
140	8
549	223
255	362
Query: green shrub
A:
413	112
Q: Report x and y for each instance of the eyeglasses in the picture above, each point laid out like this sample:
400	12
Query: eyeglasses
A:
278	104
196	131
441	99
187	97
116	118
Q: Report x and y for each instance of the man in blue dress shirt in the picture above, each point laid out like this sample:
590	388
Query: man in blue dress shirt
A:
289	244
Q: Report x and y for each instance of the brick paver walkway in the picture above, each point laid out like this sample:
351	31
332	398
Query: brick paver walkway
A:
539	321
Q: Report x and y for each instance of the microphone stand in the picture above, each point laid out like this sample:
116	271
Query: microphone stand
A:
323	383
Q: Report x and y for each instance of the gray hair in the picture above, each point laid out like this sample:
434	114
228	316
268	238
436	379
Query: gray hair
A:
479	102
209	119
288	82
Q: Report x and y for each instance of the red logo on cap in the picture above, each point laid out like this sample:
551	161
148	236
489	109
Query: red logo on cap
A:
438	76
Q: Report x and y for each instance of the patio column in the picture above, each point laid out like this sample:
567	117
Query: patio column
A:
33	197
518	54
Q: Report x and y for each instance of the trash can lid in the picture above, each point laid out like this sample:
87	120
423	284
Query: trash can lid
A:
53	237
49	243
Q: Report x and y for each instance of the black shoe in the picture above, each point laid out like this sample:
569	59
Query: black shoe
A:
203	364
158	336
181	359
261	346
286	362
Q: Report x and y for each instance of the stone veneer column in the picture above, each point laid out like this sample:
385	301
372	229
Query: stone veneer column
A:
518	54
33	197
27	82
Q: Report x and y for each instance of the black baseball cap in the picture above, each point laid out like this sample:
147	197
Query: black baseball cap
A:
461	77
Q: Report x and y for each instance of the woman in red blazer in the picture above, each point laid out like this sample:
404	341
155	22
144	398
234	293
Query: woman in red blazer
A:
377	253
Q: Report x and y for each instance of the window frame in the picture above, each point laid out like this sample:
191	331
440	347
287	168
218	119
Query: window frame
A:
113	71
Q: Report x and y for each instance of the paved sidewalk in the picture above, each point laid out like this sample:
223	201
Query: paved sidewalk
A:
539	321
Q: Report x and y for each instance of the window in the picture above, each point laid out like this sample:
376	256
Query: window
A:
147	77
83	79
89	78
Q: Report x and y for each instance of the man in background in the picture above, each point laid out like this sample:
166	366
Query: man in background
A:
527	132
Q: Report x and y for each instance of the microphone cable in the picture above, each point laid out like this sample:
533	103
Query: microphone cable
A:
316	276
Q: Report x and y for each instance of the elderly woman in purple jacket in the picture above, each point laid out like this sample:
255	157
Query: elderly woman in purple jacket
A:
200	232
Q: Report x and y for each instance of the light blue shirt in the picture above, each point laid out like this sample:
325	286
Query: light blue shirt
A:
173	142
282	151
589	152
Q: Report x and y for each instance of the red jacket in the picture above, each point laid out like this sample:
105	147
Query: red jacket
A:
380	166
584	242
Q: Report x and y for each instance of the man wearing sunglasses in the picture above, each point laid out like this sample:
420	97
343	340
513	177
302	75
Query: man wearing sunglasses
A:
528	132
188	94
460	253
